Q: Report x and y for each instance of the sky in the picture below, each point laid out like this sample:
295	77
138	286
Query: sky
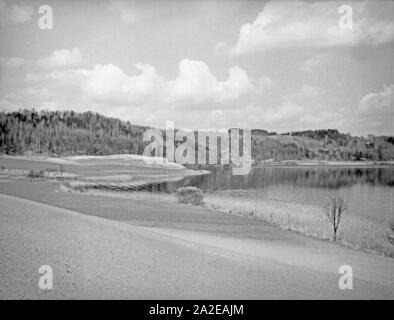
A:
274	65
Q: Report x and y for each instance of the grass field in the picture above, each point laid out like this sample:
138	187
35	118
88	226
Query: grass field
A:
87	171
111	178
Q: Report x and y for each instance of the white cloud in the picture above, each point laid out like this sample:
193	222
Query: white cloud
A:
110	85
288	115
196	83
126	11
144	95
378	104
13	62
62	76
62	59
297	24
109	82
15	13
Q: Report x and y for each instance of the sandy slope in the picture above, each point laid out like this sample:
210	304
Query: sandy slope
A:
117	159
94	257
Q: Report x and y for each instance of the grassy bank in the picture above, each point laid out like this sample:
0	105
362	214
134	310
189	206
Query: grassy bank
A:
123	171
310	220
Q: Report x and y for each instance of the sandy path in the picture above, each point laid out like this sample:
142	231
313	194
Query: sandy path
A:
94	257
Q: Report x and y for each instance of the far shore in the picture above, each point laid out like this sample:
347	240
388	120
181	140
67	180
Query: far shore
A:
327	163
162	162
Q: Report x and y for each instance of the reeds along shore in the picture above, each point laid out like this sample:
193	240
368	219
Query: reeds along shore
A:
310	220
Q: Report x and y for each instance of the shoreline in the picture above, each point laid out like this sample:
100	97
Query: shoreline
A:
357	233
352	164
121	169
306	220
161	162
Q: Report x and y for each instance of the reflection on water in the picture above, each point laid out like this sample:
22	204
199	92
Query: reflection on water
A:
314	177
367	191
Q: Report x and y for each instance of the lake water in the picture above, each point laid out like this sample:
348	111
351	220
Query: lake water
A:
368	192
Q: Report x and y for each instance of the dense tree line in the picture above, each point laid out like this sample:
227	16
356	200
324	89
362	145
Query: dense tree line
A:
327	144
59	133
67	133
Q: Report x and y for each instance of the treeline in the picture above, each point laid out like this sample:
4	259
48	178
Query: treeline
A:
332	134
60	133
327	144
67	133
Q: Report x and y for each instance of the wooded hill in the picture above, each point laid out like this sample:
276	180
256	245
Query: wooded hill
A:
60	133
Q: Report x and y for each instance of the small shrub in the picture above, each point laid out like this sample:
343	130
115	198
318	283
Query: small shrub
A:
31	174
190	195
36	174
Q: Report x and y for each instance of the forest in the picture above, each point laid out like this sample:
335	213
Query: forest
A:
63	133
60	133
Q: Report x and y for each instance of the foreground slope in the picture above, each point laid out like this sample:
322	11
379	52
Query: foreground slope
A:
94	257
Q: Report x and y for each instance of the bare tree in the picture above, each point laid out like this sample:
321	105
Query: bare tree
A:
334	209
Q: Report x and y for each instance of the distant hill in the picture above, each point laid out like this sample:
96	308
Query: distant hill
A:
67	133
322	145
60	133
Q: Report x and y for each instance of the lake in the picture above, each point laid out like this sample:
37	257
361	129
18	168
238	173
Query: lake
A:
367	191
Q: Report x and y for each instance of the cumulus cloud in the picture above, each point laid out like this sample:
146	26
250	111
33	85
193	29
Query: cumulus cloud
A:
15	13
62	59
378	104
109	84
196	83
298	110
140	94
298	24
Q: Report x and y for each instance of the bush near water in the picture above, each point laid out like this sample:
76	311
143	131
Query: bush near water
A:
190	195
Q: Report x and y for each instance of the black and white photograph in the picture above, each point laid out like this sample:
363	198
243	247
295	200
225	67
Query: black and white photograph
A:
211	151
